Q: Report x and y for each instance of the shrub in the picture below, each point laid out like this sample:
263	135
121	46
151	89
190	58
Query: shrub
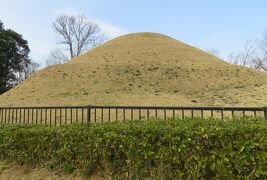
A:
192	148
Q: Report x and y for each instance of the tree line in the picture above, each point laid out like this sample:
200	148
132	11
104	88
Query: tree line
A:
253	54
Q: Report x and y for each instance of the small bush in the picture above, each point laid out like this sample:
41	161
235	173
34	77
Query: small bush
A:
192	148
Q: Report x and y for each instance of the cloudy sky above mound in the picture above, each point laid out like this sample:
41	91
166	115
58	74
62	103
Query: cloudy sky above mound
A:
222	24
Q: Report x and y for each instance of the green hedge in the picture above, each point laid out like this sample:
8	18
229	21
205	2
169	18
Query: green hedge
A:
192	148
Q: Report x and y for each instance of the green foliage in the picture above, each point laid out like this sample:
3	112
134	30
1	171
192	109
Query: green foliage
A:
14	52
192	148
1	25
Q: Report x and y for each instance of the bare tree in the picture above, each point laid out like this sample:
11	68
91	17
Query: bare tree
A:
98	41
27	71
263	44
57	56
246	56
254	54
236	58
78	33
260	63
214	52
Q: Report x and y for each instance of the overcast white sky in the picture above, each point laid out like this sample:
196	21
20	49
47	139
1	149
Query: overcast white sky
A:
221	24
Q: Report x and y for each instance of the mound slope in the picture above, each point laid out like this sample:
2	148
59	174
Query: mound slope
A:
142	69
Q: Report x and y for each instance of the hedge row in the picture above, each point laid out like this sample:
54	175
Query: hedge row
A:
195	148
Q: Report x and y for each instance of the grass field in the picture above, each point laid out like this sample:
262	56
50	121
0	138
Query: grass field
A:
142	69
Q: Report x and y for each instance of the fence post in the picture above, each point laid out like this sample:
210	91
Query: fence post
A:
88	114
265	112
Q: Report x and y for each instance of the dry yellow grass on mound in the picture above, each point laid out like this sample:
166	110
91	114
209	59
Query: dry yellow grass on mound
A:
142	69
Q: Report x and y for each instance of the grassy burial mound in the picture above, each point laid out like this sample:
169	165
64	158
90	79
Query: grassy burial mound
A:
142	69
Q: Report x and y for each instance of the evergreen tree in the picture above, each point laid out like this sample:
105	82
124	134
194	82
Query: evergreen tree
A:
14	51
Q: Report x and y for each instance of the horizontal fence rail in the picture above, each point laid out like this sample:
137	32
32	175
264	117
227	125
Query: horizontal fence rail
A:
58	115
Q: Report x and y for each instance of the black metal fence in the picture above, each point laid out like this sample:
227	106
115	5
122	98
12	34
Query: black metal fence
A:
95	114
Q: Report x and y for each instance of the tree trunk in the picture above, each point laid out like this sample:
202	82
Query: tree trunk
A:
71	51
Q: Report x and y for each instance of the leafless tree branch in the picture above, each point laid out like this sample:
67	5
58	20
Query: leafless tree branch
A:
261	62
26	71
246	56
78	33
57	56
